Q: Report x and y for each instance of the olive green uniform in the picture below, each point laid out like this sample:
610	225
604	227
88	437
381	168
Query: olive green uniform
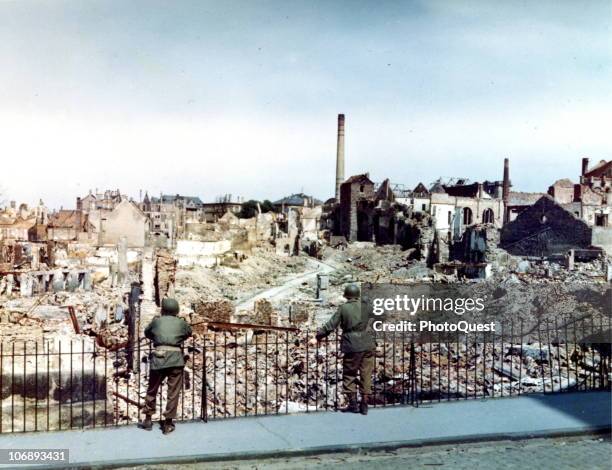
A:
166	361
357	344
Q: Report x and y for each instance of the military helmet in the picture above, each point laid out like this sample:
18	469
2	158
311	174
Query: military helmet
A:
169	306
351	291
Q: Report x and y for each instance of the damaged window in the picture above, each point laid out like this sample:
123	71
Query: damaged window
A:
467	216
488	216
601	220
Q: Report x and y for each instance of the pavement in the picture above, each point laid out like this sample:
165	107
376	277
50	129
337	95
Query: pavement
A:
315	433
592	452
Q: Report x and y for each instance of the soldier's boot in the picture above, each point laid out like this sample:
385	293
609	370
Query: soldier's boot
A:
147	424
352	406
363	406
168	426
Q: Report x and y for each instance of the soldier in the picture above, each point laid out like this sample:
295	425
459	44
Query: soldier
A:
358	346
167	333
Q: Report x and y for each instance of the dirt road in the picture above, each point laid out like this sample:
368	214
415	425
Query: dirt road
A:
289	286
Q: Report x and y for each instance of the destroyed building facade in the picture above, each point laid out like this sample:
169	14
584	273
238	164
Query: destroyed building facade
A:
16	222
213	211
570	216
170	214
589	199
548	228
354	222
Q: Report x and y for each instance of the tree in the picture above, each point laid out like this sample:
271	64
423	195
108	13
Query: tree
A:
248	210
267	206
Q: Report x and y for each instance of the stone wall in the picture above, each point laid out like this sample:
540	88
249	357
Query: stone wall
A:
602	238
191	252
125	220
165	275
214	311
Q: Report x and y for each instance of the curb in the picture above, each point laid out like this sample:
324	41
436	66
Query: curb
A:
344	448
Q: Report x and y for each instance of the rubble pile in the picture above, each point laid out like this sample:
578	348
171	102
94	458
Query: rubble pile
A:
248	374
46	315
238	372
540	271
366	262
261	270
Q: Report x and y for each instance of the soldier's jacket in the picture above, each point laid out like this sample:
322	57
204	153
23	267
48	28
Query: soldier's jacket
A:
168	330
356	336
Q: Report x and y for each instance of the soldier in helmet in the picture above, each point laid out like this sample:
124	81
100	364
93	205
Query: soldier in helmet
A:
358	346
167	333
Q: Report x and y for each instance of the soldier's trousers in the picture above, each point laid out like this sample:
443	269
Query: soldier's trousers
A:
175	385
358	363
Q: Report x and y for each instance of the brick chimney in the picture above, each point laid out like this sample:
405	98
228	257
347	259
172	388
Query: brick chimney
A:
585	166
506	183
506	189
340	156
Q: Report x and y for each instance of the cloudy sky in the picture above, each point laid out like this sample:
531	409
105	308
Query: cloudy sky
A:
211	97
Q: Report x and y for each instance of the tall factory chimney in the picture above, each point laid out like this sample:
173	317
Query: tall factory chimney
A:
340	156
506	188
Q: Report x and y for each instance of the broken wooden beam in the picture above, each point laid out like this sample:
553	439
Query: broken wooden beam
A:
248	326
510	373
128	400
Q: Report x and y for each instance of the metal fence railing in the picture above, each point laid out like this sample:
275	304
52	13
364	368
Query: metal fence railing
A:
244	372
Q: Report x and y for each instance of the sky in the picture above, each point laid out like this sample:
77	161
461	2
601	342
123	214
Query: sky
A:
241	97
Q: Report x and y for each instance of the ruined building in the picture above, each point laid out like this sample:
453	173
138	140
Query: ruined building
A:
125	220
68	225
590	198
518	201
106	200
23	223
299	213
360	211
456	206
171	214
570	216
354	221
15	223
547	228
213	211
389	214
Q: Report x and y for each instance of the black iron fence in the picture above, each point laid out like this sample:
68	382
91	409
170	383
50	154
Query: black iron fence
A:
245	372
